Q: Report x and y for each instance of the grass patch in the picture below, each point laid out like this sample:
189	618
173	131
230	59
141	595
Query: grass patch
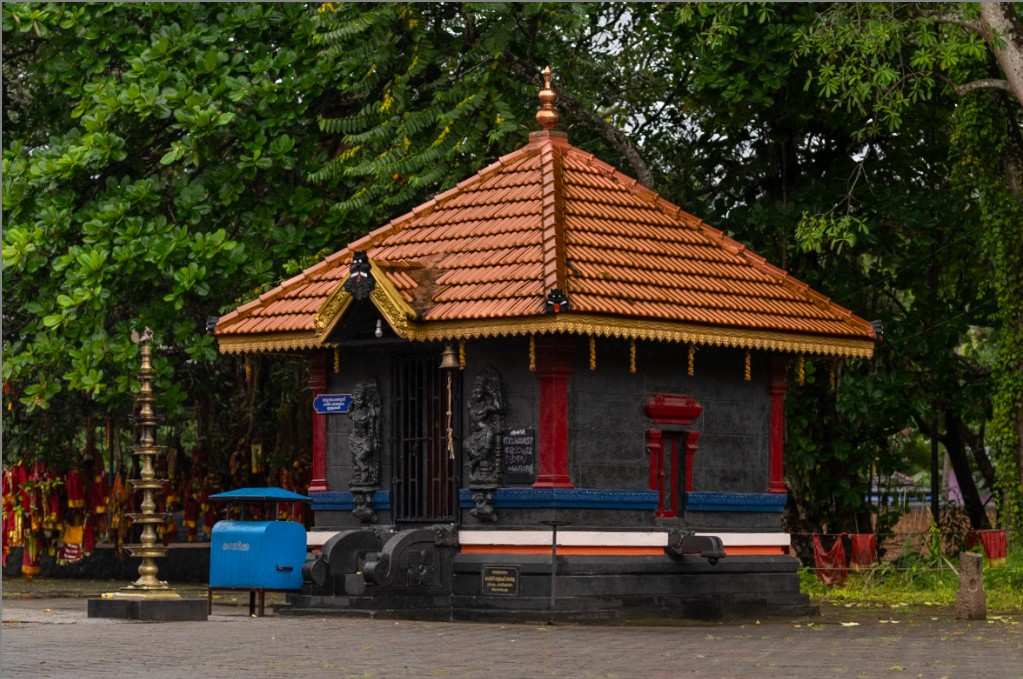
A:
916	580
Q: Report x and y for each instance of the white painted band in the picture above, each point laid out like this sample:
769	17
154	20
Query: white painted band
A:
582	538
570	538
317	538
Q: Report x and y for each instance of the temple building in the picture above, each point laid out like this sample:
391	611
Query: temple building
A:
546	348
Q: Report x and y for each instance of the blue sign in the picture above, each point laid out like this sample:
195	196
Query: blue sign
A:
327	404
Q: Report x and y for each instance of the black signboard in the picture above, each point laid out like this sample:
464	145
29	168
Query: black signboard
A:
518	448
500	580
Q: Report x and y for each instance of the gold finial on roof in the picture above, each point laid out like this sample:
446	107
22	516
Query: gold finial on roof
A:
547	115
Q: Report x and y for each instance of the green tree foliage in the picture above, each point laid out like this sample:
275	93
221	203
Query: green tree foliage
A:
430	92
165	162
155	161
891	62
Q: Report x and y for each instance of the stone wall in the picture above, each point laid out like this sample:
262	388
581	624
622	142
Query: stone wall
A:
607	435
608	423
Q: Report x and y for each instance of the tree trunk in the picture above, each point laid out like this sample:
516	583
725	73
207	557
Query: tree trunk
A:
980	456
961	466
90	445
1000	31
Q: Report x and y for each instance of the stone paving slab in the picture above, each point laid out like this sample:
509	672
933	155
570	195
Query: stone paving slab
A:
53	638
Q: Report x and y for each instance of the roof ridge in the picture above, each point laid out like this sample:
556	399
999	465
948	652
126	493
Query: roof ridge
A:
730	244
370	239
552	217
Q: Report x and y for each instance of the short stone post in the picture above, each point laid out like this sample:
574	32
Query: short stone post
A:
971	602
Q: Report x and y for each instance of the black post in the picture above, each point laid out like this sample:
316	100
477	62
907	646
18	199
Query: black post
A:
554	563
554	523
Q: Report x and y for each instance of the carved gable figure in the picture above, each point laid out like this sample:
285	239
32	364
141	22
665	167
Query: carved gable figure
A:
360	277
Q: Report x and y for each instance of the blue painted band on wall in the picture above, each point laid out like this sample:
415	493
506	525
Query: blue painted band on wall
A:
341	500
592	498
566	498
736	502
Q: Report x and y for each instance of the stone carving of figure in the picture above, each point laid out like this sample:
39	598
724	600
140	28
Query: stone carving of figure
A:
486	407
364	441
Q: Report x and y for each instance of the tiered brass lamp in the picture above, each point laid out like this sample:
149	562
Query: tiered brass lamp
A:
148	586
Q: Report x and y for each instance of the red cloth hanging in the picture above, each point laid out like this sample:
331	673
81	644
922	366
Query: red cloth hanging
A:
8	512
5	538
831	565
54	512
88	536
75	489
30	556
862	549
995	544
22	487
36	492
97	493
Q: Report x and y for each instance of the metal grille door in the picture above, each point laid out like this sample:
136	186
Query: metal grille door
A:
425	478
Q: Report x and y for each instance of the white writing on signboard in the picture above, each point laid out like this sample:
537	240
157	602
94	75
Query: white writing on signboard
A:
518	450
236	547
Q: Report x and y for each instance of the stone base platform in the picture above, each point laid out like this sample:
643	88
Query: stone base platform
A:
619	589
589	589
151	610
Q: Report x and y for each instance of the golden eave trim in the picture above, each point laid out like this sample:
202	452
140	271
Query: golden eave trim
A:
266	342
385	293
636	329
331	311
577	324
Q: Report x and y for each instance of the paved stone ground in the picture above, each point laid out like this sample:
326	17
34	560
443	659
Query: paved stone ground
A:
53	638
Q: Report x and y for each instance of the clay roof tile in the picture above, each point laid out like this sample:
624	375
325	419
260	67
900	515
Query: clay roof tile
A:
491	240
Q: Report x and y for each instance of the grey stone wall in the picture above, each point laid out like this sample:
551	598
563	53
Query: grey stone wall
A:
357	365
608	423
607	432
510	357
607	444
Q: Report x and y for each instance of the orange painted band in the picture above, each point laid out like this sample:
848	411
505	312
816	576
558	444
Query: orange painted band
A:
750	551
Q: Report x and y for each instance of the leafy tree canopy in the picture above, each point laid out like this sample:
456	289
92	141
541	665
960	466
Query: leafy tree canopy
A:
164	162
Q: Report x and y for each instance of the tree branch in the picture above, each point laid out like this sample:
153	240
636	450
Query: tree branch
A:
957	20
618	140
983	84
613	136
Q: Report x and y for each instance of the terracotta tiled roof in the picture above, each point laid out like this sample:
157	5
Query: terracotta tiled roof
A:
549	216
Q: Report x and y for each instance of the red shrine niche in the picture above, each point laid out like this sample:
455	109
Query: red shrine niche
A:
670	444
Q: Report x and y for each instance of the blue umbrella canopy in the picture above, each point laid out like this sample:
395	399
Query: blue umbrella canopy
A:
260	494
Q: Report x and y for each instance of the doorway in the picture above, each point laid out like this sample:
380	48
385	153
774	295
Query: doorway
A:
425	467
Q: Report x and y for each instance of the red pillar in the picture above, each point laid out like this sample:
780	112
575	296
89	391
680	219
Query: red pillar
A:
776	468
553	370
318	385
692	443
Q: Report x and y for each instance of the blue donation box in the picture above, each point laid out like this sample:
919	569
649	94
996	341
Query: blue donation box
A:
257	554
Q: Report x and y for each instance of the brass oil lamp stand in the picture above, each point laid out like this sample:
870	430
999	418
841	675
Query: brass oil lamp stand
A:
148	586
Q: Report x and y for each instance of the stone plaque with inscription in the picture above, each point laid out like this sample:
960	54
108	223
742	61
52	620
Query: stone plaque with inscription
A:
500	580
518	451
